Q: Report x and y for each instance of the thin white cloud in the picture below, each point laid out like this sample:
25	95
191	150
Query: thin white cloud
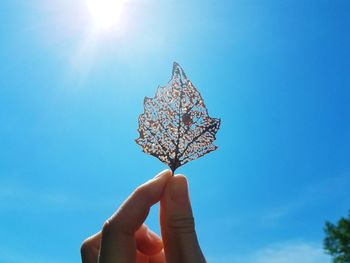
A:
312	194
297	252
291	253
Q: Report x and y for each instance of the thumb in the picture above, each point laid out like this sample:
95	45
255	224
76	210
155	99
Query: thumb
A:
177	224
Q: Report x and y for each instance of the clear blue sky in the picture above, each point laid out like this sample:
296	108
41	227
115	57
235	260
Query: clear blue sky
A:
276	72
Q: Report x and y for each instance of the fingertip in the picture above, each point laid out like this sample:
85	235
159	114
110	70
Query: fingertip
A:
165	173
164	176
179	188
181	180
159	181
181	176
151	191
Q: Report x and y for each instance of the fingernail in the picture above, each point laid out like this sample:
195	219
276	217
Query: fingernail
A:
179	189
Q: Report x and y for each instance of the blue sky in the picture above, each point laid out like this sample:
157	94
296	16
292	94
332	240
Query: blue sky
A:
275	72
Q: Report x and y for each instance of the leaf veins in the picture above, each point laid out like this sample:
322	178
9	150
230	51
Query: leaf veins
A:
175	126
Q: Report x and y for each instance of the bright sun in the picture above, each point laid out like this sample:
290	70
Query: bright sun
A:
105	13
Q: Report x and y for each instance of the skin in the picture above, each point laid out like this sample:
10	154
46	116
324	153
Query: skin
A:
125	238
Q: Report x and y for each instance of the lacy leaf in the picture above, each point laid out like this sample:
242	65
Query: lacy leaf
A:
175	126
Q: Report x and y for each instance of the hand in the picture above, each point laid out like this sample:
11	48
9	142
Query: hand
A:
126	239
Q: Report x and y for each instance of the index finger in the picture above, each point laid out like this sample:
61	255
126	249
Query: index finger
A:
118	242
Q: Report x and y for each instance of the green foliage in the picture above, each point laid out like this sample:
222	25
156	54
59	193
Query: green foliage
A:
337	240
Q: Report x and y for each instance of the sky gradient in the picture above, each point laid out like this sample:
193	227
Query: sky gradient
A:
277	73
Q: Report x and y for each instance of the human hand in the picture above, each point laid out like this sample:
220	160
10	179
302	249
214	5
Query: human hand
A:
125	239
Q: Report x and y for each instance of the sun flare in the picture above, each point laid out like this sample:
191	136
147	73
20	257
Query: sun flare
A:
105	13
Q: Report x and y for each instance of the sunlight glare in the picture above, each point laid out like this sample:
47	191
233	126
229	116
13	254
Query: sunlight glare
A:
105	13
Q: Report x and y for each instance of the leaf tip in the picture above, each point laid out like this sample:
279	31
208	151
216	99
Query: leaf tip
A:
178	72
